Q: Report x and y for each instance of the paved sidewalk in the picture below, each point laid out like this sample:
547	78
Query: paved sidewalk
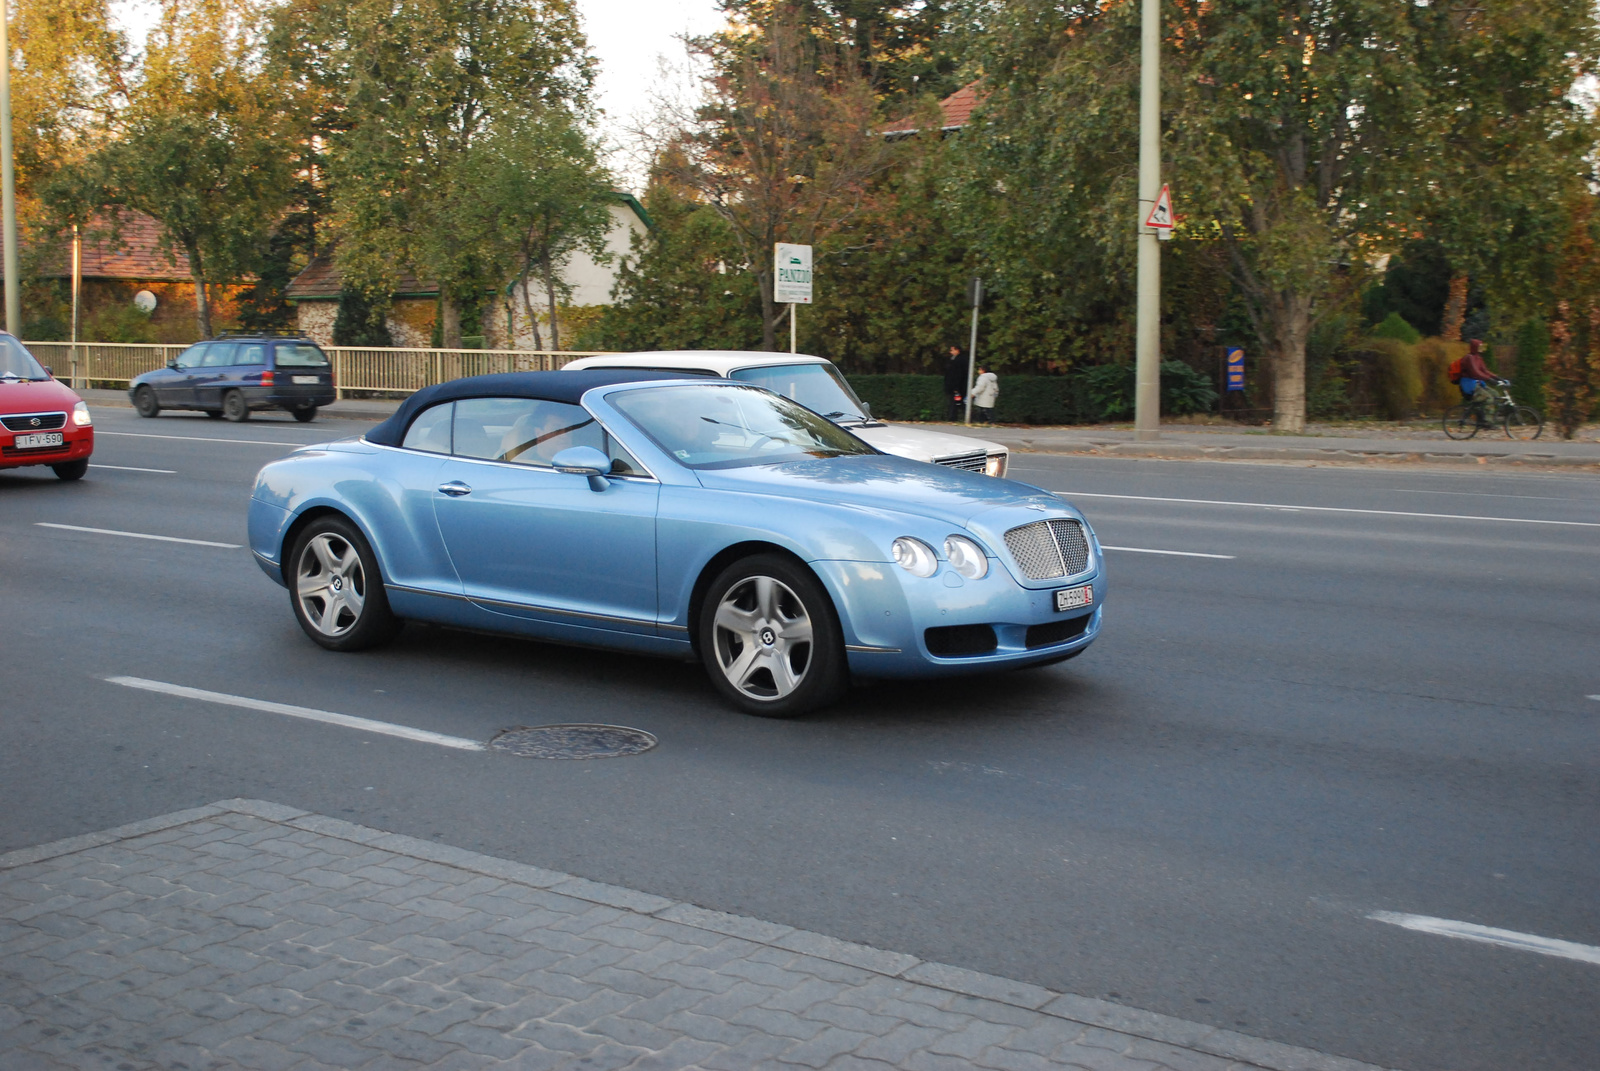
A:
252	935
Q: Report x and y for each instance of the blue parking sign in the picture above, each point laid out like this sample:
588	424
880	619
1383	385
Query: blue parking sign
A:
1235	368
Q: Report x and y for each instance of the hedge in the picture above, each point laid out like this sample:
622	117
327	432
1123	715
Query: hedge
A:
1086	397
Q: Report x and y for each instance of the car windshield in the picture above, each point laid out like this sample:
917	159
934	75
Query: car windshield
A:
16	362
818	387
725	426
301	356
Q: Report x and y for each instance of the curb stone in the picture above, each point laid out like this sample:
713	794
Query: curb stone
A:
1132	1022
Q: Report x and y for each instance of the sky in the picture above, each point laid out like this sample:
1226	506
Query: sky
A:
628	36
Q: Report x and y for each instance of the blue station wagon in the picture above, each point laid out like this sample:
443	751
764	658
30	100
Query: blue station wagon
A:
701	519
231	376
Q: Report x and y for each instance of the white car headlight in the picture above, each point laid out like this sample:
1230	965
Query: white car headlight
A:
995	465
966	557
915	556
80	415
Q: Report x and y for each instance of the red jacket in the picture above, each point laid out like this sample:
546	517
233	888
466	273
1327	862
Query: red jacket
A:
1472	367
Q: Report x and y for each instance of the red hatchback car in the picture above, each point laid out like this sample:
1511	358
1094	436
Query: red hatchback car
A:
42	422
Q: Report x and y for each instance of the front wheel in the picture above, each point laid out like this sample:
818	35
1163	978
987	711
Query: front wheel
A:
1460	422
336	587
144	402
71	470
770	639
1524	422
234	407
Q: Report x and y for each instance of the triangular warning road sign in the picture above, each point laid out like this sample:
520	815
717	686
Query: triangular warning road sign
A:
1161	213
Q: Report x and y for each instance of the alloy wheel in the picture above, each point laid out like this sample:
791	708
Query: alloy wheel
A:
331	584
763	638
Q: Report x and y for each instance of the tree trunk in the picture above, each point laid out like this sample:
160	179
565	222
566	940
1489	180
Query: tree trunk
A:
1455	308
202	303
550	296
1291	326
769	312
449	322
527	304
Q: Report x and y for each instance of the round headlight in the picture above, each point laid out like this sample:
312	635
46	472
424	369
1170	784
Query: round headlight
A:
966	557
915	556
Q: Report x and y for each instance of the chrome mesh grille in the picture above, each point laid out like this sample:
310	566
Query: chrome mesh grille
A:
1047	549
968	462
34	422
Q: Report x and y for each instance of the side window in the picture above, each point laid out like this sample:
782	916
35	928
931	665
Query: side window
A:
251	353
220	354
430	431
528	431
191	357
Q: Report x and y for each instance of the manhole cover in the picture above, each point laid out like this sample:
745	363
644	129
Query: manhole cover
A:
573	741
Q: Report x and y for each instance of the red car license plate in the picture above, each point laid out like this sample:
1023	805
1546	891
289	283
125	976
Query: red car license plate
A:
1073	598
43	438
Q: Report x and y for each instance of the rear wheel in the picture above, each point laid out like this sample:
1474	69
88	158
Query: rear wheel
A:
770	639
305	414
336	587
1524	422
71	470
234	407
144	402
1460	422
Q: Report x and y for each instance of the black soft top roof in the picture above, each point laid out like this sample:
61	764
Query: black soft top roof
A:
547	386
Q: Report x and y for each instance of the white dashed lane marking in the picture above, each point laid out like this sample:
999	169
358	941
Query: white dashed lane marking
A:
1174	553
1327	509
1489	935
131	468
199	438
327	717
137	535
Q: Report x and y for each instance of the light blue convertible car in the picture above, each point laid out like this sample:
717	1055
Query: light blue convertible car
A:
645	512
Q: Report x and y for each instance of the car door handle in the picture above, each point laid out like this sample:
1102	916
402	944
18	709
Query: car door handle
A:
455	489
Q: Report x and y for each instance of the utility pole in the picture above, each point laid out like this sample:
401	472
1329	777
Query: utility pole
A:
1147	335
975	294
8	182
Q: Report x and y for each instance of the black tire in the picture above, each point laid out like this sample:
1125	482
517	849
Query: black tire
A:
329	561
144	402
780	600
305	414
71	470
214	414
234	407
1460	422
1523	422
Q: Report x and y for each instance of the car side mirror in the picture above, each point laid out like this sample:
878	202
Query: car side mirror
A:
584	461
866	410
51	372
172	362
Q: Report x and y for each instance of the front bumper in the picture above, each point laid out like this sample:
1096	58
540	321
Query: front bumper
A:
886	614
77	443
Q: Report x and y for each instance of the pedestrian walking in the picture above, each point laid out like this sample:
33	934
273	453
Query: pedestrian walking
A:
985	392
955	385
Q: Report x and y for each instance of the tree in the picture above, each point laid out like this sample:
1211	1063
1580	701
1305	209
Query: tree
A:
418	85
783	148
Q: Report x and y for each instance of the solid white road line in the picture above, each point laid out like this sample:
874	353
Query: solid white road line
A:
1327	509
1174	553
1466	931
327	717
137	535
131	468
199	438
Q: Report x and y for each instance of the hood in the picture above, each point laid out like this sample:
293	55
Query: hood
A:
36	396
922	444
884	483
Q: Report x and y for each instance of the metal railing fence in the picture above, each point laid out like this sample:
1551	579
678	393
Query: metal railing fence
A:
365	369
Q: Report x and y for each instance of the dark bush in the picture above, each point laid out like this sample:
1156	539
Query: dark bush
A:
1104	392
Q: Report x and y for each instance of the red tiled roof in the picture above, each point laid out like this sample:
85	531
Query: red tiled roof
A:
321	281
137	254
956	110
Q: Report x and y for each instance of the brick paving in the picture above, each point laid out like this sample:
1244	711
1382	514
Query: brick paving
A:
252	935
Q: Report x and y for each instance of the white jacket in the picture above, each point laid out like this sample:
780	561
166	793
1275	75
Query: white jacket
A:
986	390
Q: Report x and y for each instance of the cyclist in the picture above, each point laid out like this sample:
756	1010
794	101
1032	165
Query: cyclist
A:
1470	373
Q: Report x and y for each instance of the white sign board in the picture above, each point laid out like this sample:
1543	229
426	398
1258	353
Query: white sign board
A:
791	273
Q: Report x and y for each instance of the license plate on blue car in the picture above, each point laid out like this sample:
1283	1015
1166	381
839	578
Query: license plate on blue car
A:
1073	598
304	379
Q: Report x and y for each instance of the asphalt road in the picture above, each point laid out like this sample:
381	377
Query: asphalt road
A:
1379	701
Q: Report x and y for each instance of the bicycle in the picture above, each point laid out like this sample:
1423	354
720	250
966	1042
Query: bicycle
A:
1488	408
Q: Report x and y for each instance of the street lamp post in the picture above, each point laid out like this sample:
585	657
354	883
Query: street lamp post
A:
8	182
1147	335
